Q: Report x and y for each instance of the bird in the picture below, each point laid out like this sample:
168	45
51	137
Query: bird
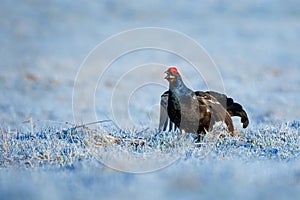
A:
196	111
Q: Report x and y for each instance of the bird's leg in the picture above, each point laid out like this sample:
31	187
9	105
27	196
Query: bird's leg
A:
200	138
201	133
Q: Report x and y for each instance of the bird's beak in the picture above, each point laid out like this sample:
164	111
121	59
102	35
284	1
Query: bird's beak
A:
169	76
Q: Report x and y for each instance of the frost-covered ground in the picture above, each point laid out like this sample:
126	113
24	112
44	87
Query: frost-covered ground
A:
255	46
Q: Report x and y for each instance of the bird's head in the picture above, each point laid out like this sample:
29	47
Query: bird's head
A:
172	74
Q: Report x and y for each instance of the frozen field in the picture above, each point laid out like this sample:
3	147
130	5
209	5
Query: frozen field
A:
43	44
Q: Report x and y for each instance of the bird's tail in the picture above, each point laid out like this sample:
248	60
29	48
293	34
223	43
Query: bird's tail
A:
235	109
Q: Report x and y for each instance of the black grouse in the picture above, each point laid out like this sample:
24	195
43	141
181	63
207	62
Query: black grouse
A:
196	112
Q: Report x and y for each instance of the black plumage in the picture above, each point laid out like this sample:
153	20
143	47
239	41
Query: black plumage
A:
196	112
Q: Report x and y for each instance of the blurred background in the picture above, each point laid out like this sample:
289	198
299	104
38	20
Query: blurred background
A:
254	44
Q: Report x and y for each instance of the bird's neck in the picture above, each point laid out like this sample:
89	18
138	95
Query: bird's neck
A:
178	87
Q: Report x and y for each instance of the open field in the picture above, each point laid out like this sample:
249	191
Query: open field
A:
43	44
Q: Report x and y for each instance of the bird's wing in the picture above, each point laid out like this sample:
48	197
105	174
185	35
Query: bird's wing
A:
233	108
164	118
218	112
